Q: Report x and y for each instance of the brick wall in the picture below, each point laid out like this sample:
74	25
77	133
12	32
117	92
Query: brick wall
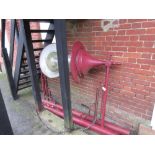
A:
132	84
35	36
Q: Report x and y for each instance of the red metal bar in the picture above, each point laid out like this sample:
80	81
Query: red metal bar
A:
84	117
104	97
84	123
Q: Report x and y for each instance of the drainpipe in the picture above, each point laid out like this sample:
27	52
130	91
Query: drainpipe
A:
153	119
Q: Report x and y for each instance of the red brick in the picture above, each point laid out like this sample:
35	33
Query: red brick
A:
132	49
117	53
140	102
89	29
151	79
146	55
136	20
153	56
140	96
152	84
144	72
152	94
143	92
121	32
130	65
127	92
129	70
127	88
150	31
109	43
148	44
139	86
142	82
107	48
122	21
145	67
122	38
98	43
97	23
100	38
150	89
97	28
105	33
146	61
152	67
119	49
125	26
148	24
134	38
120	59
144	49
116	90
109	38
132	60
147	37
138	110
137	44
120	43
135	32
132	55
136	25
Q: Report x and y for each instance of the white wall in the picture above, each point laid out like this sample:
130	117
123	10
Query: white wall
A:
153	119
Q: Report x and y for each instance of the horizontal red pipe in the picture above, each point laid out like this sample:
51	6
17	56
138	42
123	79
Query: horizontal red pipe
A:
83	123
89	118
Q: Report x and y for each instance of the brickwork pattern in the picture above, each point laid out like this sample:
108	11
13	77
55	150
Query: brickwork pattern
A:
132	84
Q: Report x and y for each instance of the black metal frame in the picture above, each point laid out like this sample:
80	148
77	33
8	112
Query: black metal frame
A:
60	34
14	34
25	27
25	44
19	55
7	62
5	126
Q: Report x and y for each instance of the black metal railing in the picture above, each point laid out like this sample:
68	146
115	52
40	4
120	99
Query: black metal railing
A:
6	59
26	68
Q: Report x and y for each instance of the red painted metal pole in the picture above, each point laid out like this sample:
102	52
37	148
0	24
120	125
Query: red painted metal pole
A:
105	94
49	106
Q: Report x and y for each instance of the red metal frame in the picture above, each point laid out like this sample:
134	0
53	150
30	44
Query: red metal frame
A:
85	120
78	68
101	126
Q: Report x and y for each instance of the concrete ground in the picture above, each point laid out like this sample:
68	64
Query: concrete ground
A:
23	117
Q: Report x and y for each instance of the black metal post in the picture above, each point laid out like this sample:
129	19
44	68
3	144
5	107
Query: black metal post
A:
12	39
20	49
5	126
7	62
9	73
3	33
31	62
60	33
49	35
